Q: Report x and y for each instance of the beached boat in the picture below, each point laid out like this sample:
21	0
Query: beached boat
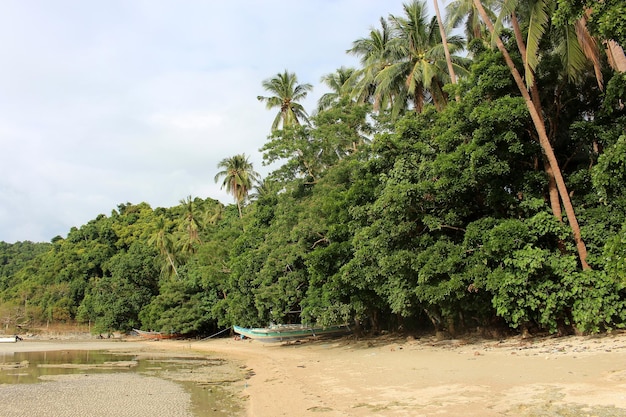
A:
156	335
289	332
10	339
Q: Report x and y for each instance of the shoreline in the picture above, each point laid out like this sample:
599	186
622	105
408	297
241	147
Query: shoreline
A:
156	381
392	376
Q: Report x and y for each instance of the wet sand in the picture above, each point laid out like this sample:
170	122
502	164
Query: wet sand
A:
96	395
108	394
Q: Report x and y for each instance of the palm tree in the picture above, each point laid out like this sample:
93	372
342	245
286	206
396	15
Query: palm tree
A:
341	83
464	11
190	227
534	108
286	94
573	43
263	189
420	57
214	214
376	54
161	239
238	177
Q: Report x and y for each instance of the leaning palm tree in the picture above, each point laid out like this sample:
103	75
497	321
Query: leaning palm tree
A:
534	106
286	95
444	41
238	177
572	42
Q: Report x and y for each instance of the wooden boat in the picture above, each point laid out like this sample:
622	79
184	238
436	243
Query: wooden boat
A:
289	332
156	335
10	339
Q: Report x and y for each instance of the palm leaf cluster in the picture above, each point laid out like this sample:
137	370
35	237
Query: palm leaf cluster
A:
404	62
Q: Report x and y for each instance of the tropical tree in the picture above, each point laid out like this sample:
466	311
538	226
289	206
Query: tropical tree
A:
238	177
605	19
341	83
375	55
161	239
420	59
189	227
464	12
534	108
286	93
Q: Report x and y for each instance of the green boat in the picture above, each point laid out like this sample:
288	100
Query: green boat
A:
289	332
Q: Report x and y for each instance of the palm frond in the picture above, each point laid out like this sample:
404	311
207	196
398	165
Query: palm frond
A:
539	18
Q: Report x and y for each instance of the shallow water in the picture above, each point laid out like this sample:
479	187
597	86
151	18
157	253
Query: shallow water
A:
208	399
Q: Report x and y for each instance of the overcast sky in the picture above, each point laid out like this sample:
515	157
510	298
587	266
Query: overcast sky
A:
108	102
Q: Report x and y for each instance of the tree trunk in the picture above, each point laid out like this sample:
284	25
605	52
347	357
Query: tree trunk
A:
553	191
543	141
239	208
171	261
444	41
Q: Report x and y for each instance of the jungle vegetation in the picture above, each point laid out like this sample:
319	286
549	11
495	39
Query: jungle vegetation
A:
458	179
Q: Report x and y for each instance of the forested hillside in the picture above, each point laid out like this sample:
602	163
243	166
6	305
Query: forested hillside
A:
449	183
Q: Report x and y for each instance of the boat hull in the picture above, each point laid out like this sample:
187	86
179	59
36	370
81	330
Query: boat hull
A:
289	332
12	339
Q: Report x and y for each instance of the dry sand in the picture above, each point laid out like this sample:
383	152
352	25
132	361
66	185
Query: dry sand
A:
568	376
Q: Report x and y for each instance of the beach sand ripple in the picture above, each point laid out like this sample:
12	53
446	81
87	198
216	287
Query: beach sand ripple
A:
95	395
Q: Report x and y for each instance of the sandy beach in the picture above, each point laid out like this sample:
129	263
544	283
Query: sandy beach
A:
387	376
568	376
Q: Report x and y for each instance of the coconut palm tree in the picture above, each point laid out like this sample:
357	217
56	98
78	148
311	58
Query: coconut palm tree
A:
238	177
263	189
420	57
189	227
571	42
286	95
463	12
375	52
341	83
534	108
161	239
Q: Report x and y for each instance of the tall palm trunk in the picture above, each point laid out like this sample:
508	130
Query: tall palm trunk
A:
171	262
543	140
553	191
446	50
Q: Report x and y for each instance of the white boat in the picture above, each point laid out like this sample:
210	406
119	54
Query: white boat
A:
287	332
10	339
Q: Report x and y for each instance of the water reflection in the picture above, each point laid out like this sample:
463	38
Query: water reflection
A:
208	399
28	367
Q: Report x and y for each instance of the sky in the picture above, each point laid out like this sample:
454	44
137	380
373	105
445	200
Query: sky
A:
108	102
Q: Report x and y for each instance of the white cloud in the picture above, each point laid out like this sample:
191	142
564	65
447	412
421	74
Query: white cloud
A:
103	103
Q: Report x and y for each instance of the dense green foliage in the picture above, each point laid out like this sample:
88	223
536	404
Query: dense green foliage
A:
425	214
